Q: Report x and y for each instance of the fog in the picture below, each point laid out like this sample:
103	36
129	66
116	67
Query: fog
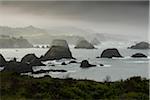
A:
114	17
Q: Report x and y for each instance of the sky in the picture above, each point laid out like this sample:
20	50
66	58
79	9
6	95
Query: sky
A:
115	17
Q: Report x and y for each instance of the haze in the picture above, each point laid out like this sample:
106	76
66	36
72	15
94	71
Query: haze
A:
124	17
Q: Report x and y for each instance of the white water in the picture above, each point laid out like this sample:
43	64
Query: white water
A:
116	68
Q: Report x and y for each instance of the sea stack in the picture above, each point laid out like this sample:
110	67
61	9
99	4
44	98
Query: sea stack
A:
59	50
85	64
141	45
84	44
109	53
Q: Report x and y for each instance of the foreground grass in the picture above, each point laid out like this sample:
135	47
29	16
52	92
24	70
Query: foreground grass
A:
16	87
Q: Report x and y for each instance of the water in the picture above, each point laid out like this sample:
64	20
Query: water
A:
116	68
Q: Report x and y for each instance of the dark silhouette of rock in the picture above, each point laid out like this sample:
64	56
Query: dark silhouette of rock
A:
85	64
138	55
47	71
32	60
98	57
18	67
2	61
84	44
63	63
59	42
101	64
141	45
109	53
73	62
57	52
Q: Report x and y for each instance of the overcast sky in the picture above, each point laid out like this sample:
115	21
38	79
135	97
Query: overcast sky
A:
107	17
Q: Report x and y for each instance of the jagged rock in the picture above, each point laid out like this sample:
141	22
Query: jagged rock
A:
18	67
138	55
59	42
2	61
109	53
84	44
141	45
85	64
57	52
32	60
63	63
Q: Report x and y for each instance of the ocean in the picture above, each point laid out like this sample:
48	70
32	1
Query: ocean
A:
115	68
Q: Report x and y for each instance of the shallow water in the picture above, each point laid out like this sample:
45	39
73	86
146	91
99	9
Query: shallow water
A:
116	68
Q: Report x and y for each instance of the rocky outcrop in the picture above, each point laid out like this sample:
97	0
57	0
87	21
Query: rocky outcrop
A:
141	45
109	53
32	60
59	42
139	55
83	44
14	43
17	67
57	52
85	64
2	61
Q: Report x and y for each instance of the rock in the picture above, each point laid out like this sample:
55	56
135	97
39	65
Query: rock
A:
85	64
47	71
56	53
32	60
84	45
95	41
138	55
72	62
63	63
17	67
109	53
141	45
2	61
98	57
59	42
101	64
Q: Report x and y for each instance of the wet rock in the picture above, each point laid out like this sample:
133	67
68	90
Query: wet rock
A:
47	71
32	60
73	62
63	63
101	64
85	64
83	44
2	61
141	45
17	67
109	53
139	55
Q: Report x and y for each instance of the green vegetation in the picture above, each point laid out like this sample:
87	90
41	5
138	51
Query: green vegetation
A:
17	87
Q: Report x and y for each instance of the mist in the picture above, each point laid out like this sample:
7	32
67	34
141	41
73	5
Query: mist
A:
123	18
